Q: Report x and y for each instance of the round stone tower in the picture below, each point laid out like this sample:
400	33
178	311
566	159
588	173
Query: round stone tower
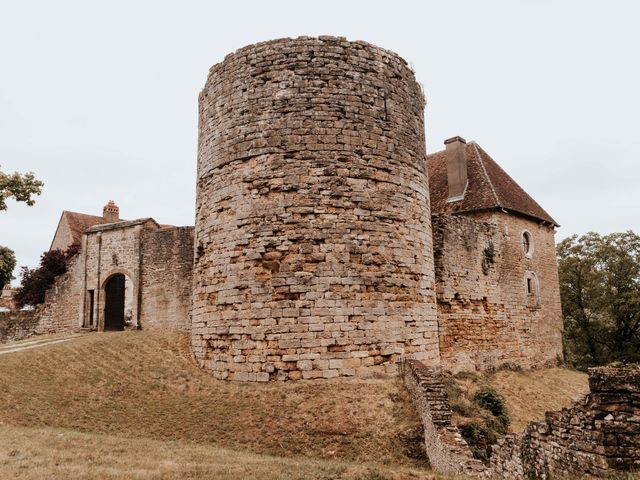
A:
313	251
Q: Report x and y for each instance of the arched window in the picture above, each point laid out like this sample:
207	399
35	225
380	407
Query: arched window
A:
532	289
527	244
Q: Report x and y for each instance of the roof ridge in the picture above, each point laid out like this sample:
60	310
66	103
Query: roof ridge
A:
486	175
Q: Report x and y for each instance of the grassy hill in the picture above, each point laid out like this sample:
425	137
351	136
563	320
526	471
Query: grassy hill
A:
144	384
134	405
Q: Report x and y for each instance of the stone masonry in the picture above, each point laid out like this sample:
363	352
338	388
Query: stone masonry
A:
486	316
598	435
313	235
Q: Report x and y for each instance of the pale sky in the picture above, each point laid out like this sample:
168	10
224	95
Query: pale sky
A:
99	99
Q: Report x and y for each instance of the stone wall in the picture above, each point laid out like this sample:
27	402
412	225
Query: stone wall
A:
597	436
486	317
446	449
313	235
167	264
61	309
17	325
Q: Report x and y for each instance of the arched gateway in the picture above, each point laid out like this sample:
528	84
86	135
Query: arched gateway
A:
114	307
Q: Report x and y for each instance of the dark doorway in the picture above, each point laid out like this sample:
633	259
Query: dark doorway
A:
91	307
114	303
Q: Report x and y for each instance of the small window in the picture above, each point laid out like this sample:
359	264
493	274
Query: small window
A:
527	244
532	287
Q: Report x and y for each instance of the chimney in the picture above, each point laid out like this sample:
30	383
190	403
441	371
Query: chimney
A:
111	212
456	168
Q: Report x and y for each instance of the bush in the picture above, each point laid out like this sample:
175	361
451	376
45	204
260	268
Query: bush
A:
36	281
492	401
479	438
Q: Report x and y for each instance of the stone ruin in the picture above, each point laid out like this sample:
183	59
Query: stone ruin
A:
596	436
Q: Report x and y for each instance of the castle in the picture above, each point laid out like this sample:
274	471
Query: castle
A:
326	242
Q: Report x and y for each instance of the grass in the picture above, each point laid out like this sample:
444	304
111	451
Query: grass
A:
36	453
144	384
528	394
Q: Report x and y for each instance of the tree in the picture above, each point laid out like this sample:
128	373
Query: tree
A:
600	291
21	186
36	281
7	264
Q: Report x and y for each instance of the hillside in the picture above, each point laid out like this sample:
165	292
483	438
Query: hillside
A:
144	384
134	405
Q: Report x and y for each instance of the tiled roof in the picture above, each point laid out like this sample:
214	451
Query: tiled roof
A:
79	222
489	187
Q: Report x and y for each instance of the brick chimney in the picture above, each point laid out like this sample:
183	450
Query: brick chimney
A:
111	212
456	167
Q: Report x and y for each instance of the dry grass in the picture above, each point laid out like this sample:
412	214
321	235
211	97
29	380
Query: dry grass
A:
37	453
144	384
530	394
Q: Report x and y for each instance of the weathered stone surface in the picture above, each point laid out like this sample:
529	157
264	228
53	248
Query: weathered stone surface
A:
312	226
597	435
486	317
17	325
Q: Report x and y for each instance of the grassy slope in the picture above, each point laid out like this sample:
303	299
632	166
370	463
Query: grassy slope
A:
530	394
143	384
59	454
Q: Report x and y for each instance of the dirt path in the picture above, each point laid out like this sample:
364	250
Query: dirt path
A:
20	346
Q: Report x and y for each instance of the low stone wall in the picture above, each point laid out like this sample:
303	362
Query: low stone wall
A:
17	325
446	449
596	436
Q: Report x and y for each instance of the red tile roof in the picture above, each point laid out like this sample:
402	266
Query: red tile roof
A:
489	187
79	222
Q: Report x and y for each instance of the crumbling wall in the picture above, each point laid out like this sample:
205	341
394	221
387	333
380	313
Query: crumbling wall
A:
17	325
313	233
446	449
485	315
167	265
597	436
60	311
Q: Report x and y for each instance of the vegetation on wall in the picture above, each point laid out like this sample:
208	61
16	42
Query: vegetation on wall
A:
36	281
600	291
481	417
7	264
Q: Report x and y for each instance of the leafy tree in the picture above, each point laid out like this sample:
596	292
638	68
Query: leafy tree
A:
7	264
21	186
600	290
36	281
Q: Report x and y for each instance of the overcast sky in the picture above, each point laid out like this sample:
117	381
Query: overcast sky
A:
99	99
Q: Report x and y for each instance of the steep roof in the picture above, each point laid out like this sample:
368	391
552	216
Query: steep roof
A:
77	223
489	187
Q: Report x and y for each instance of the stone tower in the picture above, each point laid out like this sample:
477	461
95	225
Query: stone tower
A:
313	248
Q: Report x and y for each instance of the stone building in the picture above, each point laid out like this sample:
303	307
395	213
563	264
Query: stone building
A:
497	286
317	254
326	241
128	274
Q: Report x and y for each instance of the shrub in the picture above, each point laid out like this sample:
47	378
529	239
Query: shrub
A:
36	281
479	438
492	401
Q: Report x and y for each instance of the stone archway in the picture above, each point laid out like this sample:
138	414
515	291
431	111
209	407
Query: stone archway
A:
114	306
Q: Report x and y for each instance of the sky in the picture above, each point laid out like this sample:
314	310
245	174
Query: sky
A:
99	99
